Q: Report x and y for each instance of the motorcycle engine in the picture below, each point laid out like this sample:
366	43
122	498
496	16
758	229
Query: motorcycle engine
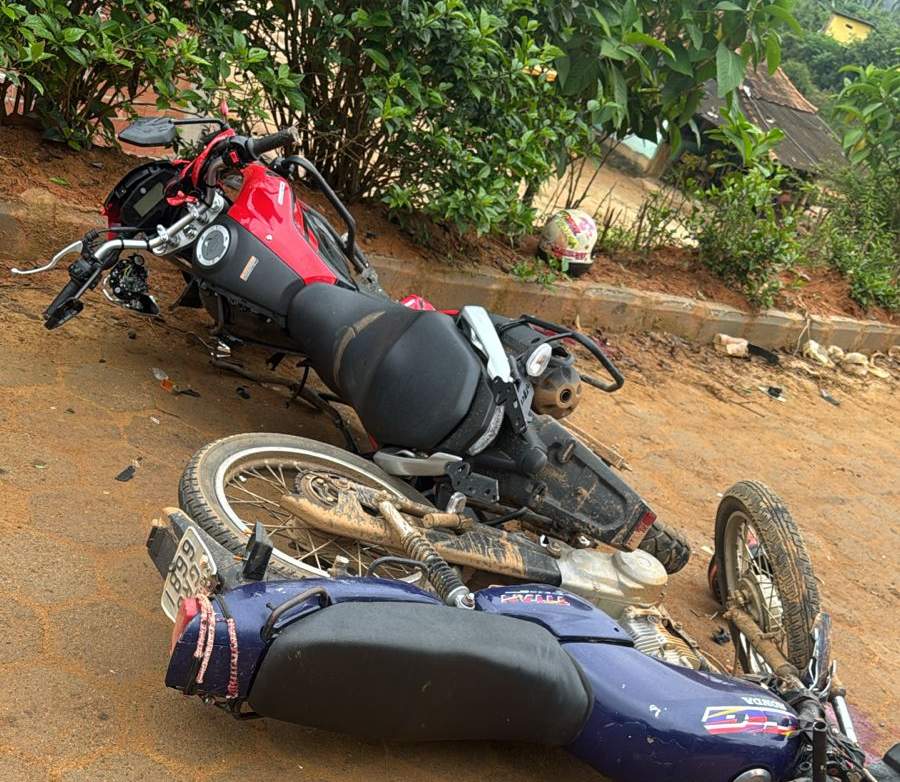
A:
630	586
653	633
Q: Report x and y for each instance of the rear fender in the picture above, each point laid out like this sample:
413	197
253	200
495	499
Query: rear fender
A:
576	489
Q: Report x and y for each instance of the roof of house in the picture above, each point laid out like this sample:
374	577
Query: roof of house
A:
774	102
845	15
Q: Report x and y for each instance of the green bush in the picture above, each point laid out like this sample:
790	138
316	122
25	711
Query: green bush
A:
440	107
456	107
860	235
77	65
740	235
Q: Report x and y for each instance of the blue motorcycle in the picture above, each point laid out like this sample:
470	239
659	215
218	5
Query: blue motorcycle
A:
519	662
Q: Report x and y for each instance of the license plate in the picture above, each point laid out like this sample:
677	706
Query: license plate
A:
190	572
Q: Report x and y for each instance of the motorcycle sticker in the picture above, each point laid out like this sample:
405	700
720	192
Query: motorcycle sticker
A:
249	267
535	598
720	720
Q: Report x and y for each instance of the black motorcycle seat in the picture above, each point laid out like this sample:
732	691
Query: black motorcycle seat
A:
410	375
412	672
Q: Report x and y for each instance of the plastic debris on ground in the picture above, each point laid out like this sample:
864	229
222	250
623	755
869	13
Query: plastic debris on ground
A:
128	473
164	380
829	398
776	392
770	356
169	387
731	346
855	364
814	351
721	636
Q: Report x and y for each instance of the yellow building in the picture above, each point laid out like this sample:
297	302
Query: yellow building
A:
846	29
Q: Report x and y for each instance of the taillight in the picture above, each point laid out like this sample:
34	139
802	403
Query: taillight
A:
188	608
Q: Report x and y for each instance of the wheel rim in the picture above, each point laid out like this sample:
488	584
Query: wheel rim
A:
248	485
750	581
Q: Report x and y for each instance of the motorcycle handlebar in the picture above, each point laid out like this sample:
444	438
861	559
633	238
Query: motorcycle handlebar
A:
262	144
69	290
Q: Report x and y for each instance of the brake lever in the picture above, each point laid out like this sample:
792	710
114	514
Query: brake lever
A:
75	247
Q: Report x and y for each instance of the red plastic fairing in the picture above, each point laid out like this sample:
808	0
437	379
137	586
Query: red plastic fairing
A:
266	207
416	302
113	215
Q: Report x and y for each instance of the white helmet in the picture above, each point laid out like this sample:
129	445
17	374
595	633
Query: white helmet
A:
570	235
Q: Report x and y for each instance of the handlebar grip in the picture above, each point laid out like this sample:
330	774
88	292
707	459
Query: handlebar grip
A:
258	146
68	291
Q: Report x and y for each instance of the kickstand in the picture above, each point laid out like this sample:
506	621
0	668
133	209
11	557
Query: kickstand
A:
298	390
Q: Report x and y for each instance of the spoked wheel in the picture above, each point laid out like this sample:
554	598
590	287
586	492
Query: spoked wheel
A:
764	568
231	484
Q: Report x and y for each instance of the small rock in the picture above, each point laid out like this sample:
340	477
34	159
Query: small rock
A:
242	392
132	334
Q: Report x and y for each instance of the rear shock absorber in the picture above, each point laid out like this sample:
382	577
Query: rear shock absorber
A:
443	578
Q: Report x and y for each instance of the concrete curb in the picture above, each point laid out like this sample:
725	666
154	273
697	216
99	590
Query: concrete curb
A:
37	224
614	309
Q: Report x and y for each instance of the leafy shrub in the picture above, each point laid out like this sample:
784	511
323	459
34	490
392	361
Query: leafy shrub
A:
740	235
741	232
860	235
442	107
456	107
869	107
76	65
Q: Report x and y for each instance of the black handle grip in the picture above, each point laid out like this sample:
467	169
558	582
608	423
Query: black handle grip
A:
68	291
258	146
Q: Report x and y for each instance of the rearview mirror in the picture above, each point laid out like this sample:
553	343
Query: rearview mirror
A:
150	132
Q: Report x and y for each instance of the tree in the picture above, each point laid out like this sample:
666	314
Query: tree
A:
869	107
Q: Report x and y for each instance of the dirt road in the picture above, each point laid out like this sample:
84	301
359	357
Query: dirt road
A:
84	649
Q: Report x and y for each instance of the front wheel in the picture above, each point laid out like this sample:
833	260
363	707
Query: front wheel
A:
234	482
763	567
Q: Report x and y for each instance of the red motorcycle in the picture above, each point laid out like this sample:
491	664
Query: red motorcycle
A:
461	407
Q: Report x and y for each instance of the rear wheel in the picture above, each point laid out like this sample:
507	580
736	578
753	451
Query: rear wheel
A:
668	545
232	483
763	566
